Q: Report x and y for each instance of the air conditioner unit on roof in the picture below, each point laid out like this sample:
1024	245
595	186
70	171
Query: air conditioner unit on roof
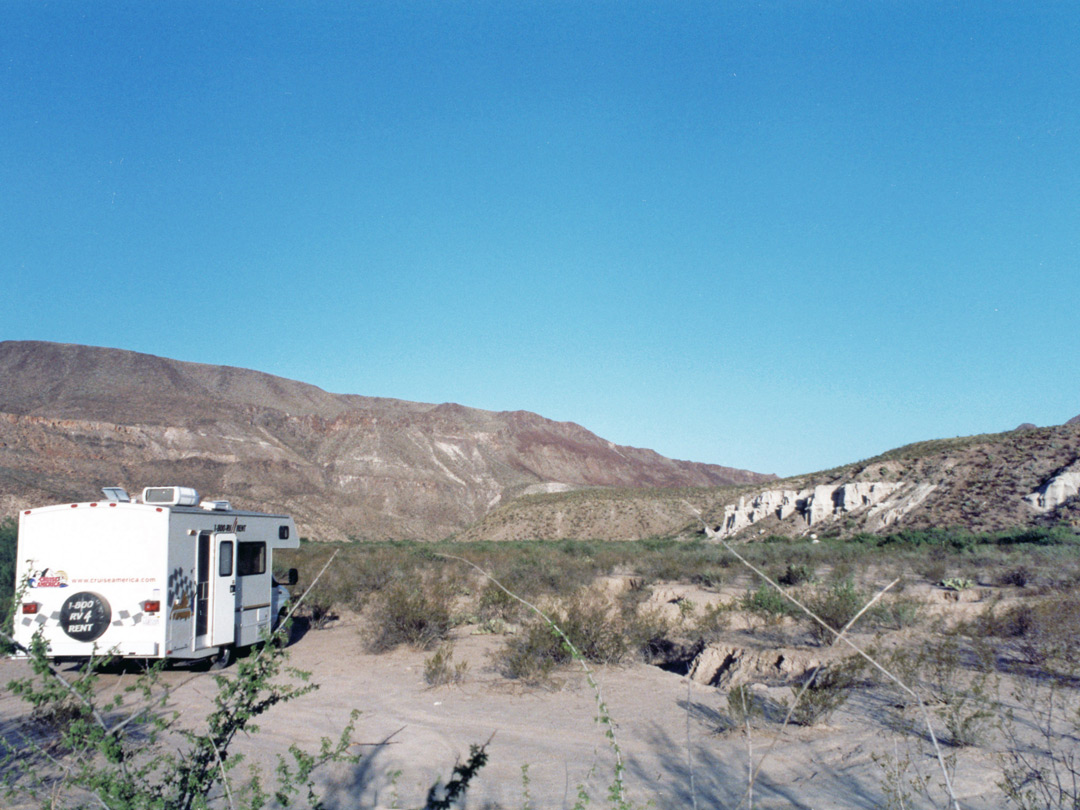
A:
170	496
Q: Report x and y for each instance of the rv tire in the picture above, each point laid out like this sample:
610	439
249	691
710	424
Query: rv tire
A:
224	657
282	637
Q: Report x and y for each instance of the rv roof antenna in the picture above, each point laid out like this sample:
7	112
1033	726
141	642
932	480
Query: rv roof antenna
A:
116	494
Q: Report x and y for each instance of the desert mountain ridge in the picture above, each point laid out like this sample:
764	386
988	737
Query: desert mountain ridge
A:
1026	477
74	418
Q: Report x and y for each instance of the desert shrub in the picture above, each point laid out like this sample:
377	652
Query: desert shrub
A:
1047	632
359	571
1018	577
1043	632
895	612
968	714
695	562
319	609
796	574
497	604
836	606
373	571
709	576
934	567
743	706
646	632
768	602
670	565
533	654
841	569
593	630
540	571
598	635
414	612
1015	621
440	669
957	677
827	692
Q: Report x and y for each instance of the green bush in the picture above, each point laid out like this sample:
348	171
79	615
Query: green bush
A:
836	606
541	570
768	602
957	676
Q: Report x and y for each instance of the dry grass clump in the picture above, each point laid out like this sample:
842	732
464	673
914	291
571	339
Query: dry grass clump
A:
440	669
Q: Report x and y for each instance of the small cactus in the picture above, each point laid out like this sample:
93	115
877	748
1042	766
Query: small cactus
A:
957	584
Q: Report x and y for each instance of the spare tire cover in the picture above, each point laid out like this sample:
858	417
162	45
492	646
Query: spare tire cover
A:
85	616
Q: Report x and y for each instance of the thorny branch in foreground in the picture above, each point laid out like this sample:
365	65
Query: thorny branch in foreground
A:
125	758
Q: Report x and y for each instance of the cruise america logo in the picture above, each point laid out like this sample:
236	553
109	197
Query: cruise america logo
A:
47	578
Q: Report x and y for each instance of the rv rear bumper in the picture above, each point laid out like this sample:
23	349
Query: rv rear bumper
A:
130	649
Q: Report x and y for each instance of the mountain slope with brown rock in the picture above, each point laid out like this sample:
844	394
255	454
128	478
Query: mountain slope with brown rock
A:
74	418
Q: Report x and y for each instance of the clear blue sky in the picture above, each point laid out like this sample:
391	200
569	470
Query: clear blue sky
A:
773	235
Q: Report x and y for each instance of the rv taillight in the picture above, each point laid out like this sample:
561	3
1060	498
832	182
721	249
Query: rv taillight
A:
29	608
152	605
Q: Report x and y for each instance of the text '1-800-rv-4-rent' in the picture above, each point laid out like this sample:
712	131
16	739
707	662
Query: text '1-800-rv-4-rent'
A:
169	577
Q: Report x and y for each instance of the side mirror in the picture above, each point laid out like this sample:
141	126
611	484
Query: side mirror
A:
294	576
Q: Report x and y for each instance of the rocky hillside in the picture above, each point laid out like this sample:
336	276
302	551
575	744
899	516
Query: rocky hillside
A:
1029	476
75	418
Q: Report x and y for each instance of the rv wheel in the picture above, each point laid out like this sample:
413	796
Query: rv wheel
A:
281	636
224	657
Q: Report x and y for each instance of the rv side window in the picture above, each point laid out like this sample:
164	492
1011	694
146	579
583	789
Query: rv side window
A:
225	554
251	559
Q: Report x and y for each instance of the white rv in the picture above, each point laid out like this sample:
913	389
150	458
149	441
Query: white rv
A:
169	577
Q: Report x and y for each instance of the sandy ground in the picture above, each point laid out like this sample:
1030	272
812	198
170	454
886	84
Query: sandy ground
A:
670	731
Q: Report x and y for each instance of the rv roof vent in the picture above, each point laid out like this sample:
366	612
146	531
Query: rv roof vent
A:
170	496
116	494
216	506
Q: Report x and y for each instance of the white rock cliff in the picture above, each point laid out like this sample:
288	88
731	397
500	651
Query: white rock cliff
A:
815	506
1055	492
